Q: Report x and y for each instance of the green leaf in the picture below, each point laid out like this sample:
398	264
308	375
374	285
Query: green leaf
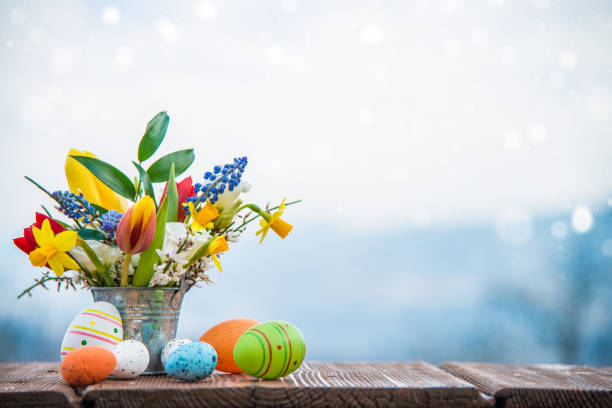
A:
200	252
148	258
160	170
146	181
172	195
109	175
87	233
153	136
101	210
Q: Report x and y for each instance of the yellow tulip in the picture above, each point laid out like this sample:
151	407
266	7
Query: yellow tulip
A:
81	179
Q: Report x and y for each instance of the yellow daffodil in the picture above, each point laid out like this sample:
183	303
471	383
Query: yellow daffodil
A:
81	179
274	221
200	219
217	245
52	249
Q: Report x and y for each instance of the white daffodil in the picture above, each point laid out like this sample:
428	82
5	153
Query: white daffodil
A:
229	197
108	255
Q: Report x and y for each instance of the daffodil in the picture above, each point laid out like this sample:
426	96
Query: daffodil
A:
217	245
82	180
200	219
52	249
274	221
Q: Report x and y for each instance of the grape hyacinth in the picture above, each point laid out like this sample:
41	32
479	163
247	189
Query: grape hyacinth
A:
217	181
75	206
110	221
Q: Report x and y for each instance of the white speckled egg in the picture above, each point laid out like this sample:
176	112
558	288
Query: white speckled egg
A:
132	359
192	361
171	346
99	324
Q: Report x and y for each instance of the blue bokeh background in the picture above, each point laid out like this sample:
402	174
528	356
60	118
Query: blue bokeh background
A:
453	158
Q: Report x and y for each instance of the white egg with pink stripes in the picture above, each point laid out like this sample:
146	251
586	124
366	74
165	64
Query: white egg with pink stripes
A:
99	324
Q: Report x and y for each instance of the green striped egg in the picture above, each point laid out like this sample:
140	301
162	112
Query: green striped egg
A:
270	350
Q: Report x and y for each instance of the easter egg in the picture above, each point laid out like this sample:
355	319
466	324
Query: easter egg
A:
87	365
223	338
99	324
132	359
192	361
171	346
270	350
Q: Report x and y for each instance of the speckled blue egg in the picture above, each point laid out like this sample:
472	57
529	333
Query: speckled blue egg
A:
192	361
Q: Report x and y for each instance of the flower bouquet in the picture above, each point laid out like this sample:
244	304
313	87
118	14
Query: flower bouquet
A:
114	233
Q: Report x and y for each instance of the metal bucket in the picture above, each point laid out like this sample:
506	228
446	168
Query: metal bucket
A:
150	315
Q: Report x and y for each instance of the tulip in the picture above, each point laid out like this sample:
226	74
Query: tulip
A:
185	190
82	180
135	231
27	243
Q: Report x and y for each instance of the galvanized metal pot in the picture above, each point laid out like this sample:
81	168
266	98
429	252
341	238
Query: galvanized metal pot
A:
149	315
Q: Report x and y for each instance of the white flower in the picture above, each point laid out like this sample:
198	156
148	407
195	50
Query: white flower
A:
198	240
229	197
175	232
108	254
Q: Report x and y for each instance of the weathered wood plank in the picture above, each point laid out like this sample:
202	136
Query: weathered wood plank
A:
542	385
315	384
34	385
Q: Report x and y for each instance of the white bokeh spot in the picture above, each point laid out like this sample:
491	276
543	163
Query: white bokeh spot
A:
582	219
479	36
207	10
168	31
111	15
568	59
513	140
275	55
538	133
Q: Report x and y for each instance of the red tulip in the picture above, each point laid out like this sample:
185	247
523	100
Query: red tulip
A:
185	190
135	232
27	243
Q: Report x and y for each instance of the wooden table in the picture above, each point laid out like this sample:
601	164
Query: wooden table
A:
319	384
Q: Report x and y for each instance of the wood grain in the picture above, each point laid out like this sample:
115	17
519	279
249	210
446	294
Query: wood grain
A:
34	385
542	385
315	384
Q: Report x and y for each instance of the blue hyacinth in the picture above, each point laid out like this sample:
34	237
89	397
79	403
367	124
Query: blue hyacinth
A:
217	181
110	221
75	206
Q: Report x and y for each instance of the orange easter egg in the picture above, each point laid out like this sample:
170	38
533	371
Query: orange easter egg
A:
223	338
87	365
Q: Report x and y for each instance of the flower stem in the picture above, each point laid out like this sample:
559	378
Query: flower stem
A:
93	257
126	270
